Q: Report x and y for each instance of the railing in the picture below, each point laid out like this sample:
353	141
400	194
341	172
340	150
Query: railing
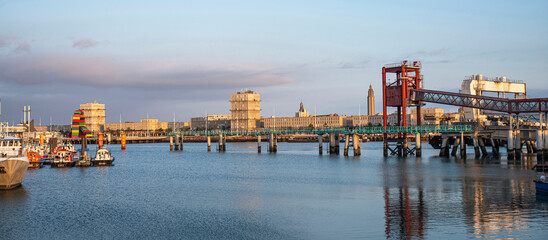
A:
321	131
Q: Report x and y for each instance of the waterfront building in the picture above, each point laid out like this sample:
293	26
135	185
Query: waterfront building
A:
323	121
301	112
141	126
430	116
95	116
245	110
220	121
370	101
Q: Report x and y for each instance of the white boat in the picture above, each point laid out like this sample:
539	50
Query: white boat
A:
102	158
13	163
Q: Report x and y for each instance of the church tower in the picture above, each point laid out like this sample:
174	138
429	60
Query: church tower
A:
370	101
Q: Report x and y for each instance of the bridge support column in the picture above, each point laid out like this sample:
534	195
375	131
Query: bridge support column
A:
405	147
476	146
444	151
181	143
176	142
455	146
171	143
418	147
273	143
528	147
320	144
494	147
356	145
259	143
482	146
385	146
462	145
510	143
209	143
540	144
220	143
346	145
337	143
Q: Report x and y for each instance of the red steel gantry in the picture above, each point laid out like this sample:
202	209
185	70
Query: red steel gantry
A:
396	94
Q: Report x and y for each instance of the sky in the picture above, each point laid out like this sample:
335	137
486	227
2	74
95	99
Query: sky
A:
185	58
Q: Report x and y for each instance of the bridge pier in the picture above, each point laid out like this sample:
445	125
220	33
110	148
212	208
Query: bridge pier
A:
347	137
476	146
385	146
273	143
181	143
334	143
259	143
455	147
171	143
176	142
510	142
462	145
418	147
482	146
444	151
221	143
540	143
320	142
356	145
494	147
209	143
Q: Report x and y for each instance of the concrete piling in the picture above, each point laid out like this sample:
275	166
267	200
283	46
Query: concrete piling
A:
171	143
462	145
346	145
356	145
482	146
181	143
385	147
540	144
176	142
220	143
209	143
444	151
320	144
510	144
418	147
272	143
259	143
494	147
455	146
476	146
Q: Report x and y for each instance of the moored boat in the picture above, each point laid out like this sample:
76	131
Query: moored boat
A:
541	180
102	158
13	164
35	160
63	158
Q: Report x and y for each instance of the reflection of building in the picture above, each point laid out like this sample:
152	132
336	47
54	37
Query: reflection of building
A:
245	110
213	122
95	116
370	101
143	125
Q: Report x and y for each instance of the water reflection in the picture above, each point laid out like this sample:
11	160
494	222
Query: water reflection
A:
404	206
13	197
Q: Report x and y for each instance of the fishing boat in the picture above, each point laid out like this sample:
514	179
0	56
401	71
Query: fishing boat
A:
102	158
541	180
63	158
13	163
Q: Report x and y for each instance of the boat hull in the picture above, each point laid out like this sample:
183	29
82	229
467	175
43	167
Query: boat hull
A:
12	171
102	162
62	164
542	187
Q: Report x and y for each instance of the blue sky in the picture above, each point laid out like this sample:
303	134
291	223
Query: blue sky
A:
187	57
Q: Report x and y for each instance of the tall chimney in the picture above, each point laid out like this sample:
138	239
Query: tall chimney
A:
24	114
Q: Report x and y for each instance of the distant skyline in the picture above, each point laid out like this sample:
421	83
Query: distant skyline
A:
187	57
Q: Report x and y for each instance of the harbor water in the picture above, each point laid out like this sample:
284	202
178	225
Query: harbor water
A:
152	193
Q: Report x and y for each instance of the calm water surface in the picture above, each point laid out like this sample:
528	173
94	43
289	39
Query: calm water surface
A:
152	193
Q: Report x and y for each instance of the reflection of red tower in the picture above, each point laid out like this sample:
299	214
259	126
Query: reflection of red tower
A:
404	207
396	94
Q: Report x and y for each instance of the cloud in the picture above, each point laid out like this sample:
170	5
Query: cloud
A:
22	47
85	43
102	72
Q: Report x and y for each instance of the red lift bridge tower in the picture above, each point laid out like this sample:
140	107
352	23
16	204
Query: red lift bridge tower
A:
396	94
